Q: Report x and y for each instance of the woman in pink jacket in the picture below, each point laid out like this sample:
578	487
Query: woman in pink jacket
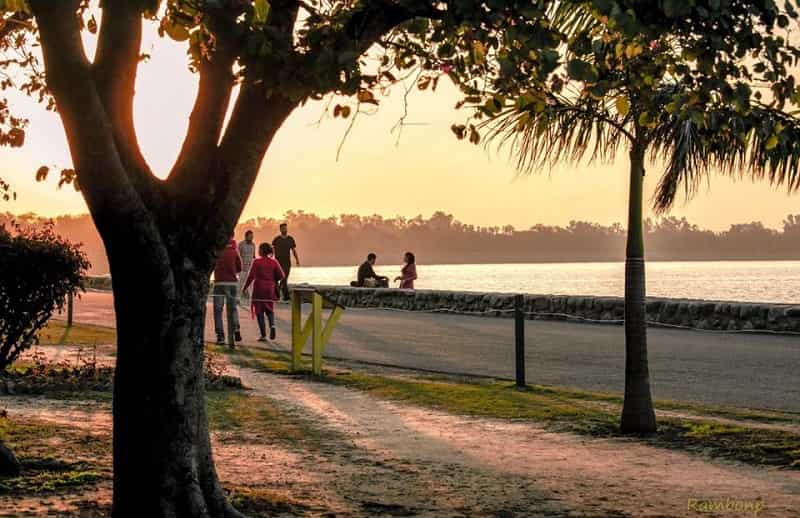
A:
409	272
265	274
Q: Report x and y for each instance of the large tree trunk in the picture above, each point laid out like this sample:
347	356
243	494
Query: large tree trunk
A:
637	408
163	465
159	235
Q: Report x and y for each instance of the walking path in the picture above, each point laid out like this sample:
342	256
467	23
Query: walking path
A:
423	462
747	370
362	456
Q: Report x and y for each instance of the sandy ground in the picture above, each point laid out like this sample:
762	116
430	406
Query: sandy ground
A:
513	467
376	458
371	457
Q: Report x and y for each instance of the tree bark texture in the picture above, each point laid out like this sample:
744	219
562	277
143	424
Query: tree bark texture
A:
638	416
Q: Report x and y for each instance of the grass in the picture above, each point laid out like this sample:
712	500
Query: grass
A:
57	333
239	412
257	502
42	447
241	417
581	412
43	477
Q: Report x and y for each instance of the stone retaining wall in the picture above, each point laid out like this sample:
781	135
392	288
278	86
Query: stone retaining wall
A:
701	314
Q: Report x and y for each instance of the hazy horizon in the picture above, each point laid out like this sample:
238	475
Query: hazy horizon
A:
777	226
441	238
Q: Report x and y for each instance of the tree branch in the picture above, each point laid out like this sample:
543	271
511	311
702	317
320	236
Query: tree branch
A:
115	66
109	193
255	120
211	105
366	26
14	23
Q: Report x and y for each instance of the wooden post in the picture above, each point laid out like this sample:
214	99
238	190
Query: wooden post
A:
70	307
298	340
519	337
316	334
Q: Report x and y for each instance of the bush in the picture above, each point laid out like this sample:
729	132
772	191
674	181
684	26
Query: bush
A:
38	269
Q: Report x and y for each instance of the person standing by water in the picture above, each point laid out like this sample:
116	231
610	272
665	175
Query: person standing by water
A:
265	274
409	272
284	245
247	251
226	288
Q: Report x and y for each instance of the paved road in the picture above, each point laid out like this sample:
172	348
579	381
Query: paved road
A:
758	371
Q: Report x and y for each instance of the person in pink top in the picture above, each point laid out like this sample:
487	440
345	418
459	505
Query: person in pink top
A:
265	274
409	272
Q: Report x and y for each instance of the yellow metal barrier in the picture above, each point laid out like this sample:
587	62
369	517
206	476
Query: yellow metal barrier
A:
320	335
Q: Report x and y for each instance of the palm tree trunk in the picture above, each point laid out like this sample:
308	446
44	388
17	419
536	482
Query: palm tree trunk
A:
637	409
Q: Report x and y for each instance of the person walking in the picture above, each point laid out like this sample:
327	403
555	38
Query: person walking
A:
409	272
247	251
226	287
265	274
285	246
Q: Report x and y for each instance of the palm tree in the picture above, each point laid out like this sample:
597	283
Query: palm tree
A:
565	130
546	128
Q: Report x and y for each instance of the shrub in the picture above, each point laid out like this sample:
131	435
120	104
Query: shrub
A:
38	270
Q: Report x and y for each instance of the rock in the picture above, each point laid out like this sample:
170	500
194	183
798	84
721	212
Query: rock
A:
774	313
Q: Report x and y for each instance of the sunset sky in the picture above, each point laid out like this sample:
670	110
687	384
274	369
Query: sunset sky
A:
427	170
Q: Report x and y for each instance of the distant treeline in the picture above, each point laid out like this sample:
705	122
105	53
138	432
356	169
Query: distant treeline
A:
441	239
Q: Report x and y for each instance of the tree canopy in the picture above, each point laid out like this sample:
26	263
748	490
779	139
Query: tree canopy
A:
708	85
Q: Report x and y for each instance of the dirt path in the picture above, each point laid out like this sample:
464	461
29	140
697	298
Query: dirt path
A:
361	456
426	462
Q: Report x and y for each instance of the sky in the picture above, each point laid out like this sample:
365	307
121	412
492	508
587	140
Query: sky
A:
421	170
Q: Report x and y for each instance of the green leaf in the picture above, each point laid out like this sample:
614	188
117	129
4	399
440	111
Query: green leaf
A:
478	52
677	8
772	142
175	31
262	8
582	71
623	105
523	101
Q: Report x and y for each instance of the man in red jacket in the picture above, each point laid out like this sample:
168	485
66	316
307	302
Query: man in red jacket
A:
226	288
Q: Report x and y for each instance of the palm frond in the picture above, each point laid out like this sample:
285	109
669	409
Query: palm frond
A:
562	131
571	17
764	144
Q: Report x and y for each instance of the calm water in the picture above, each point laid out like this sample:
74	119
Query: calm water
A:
752	281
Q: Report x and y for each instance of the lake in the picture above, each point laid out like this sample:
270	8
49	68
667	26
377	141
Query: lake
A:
749	281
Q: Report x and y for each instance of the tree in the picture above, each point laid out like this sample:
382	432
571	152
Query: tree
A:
161	237
686	82
38	270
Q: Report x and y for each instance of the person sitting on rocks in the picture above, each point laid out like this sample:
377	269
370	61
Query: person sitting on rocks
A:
367	278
